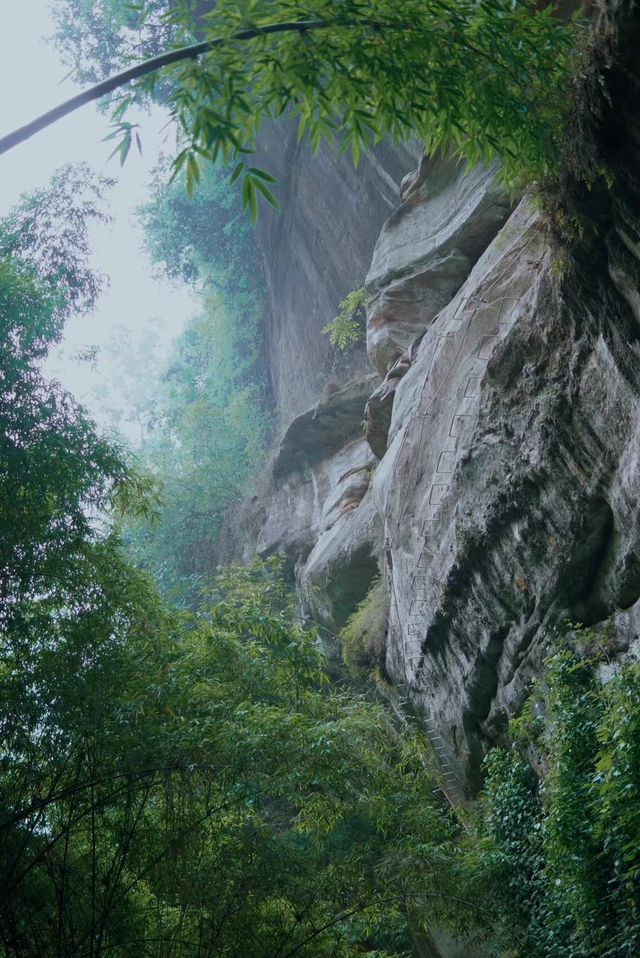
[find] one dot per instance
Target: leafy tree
(475, 78)
(63, 589)
(56, 473)
(193, 785)
(48, 231)
(97, 38)
(468, 76)
(207, 421)
(203, 239)
(208, 437)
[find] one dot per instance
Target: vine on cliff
(560, 850)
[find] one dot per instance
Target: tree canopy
(472, 77)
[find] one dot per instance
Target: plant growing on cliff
(472, 77)
(364, 637)
(346, 329)
(560, 851)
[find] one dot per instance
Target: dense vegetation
(203, 418)
(474, 78)
(170, 783)
(565, 843)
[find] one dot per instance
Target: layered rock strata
(314, 503)
(499, 488)
(511, 484)
(425, 251)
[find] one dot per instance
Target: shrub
(364, 637)
(560, 853)
(346, 329)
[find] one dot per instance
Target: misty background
(151, 309)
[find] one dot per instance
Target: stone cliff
(317, 249)
(497, 480)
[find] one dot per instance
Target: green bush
(560, 853)
(364, 637)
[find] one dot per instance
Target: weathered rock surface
(314, 503)
(313, 506)
(379, 406)
(377, 412)
(510, 488)
(426, 249)
(452, 462)
(511, 485)
(317, 248)
(505, 501)
(342, 564)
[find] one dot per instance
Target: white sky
(30, 75)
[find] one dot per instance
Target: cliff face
(511, 482)
(498, 490)
(314, 501)
(317, 249)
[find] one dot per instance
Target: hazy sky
(30, 78)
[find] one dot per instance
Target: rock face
(459, 469)
(314, 503)
(511, 484)
(316, 250)
(314, 506)
(498, 490)
(425, 251)
(377, 412)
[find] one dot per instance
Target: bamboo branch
(192, 52)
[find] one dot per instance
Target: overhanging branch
(166, 59)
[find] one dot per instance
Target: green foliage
(195, 781)
(54, 469)
(202, 418)
(562, 853)
(171, 783)
(48, 230)
(364, 637)
(126, 133)
(97, 37)
(176, 783)
(346, 329)
(205, 239)
(56, 472)
(470, 77)
(481, 79)
(260, 585)
(205, 428)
